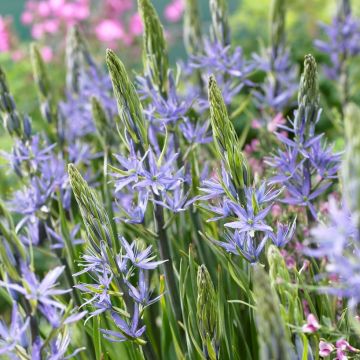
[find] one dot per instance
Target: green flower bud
(207, 311)
(273, 339)
(103, 126)
(281, 281)
(192, 28)
(226, 140)
(14, 123)
(277, 26)
(128, 102)
(155, 55)
(308, 95)
(94, 215)
(309, 87)
(48, 103)
(77, 56)
(220, 24)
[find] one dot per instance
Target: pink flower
(47, 53)
(276, 210)
(51, 26)
(27, 18)
(289, 259)
(135, 25)
(255, 124)
(109, 31)
(37, 31)
(4, 35)
(343, 345)
(43, 9)
(174, 11)
(117, 8)
(250, 148)
(275, 122)
(82, 12)
(256, 165)
(325, 349)
(56, 4)
(305, 305)
(312, 325)
(17, 55)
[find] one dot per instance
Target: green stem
(165, 254)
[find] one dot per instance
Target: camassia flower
(127, 331)
(306, 167)
(15, 333)
(39, 292)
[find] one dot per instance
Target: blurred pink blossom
(312, 325)
(275, 122)
(5, 37)
(115, 7)
(17, 55)
(252, 147)
(289, 259)
(173, 12)
(112, 22)
(305, 305)
(276, 210)
(26, 18)
(342, 346)
(256, 124)
(136, 26)
(325, 348)
(46, 16)
(109, 31)
(47, 53)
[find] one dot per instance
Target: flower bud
(155, 55)
(207, 311)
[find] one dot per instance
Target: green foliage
(273, 339)
(351, 164)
